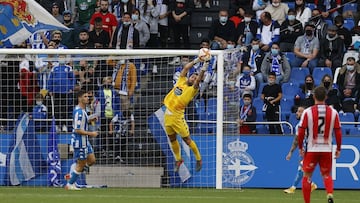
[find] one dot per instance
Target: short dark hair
(81, 93)
(247, 95)
(98, 20)
(320, 93)
(272, 73)
(350, 58)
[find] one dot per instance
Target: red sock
(329, 184)
(306, 189)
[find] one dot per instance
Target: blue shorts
(82, 153)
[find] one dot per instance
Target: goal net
(126, 89)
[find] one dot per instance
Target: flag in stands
(54, 163)
(20, 167)
(21, 18)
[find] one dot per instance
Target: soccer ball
(204, 54)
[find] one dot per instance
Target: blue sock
(299, 176)
(74, 177)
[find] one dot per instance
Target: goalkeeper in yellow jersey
(176, 101)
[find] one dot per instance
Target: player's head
(83, 97)
(299, 112)
(320, 94)
(191, 80)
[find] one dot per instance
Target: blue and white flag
(53, 158)
(21, 18)
(20, 167)
(157, 127)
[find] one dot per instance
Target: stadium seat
(289, 89)
(291, 5)
(350, 7)
(329, 22)
(349, 23)
(290, 56)
(310, 5)
(293, 120)
(286, 106)
(258, 104)
(319, 72)
(354, 131)
(346, 117)
(260, 88)
(298, 74)
(200, 108)
(211, 108)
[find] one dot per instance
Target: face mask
(247, 103)
(134, 17)
(271, 82)
(67, 21)
(327, 84)
(83, 41)
(255, 47)
(38, 103)
(246, 72)
(57, 41)
(124, 1)
(349, 68)
(223, 19)
(247, 19)
(291, 17)
(230, 46)
(331, 35)
(276, 4)
(308, 32)
(126, 23)
(274, 52)
(309, 85)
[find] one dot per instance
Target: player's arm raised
(188, 66)
(84, 132)
(201, 75)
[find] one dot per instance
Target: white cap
(181, 1)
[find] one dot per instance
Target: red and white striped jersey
(320, 121)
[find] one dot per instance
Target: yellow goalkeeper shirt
(180, 96)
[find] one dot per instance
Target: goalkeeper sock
(298, 178)
(306, 189)
(74, 177)
(176, 149)
(195, 149)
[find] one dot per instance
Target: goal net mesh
(126, 91)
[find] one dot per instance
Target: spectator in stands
(221, 31)
(150, 12)
(235, 6)
(268, 31)
(84, 42)
(56, 36)
(55, 12)
(68, 36)
(125, 78)
(331, 49)
(303, 13)
(181, 21)
(271, 95)
(276, 62)
(343, 32)
(109, 102)
(291, 29)
(319, 23)
(258, 6)
(348, 82)
(142, 27)
(332, 92)
(99, 36)
(246, 82)
(304, 97)
(39, 111)
(27, 82)
(39, 40)
(84, 9)
(126, 36)
(121, 7)
(306, 49)
(247, 114)
(253, 57)
(277, 10)
(109, 20)
(246, 30)
(164, 22)
(238, 17)
(199, 3)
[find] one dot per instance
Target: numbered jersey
(320, 122)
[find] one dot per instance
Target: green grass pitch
(168, 195)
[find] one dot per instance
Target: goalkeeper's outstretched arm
(188, 66)
(201, 75)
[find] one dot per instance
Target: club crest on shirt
(238, 165)
(178, 91)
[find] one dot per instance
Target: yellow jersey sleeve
(180, 96)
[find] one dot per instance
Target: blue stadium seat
(329, 22)
(350, 7)
(289, 89)
(286, 105)
(319, 72)
(298, 74)
(293, 120)
(355, 131)
(310, 5)
(200, 108)
(291, 5)
(349, 23)
(290, 56)
(258, 104)
(260, 88)
(346, 117)
(211, 108)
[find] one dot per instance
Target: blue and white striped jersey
(80, 121)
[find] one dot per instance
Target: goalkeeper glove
(205, 66)
(196, 60)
